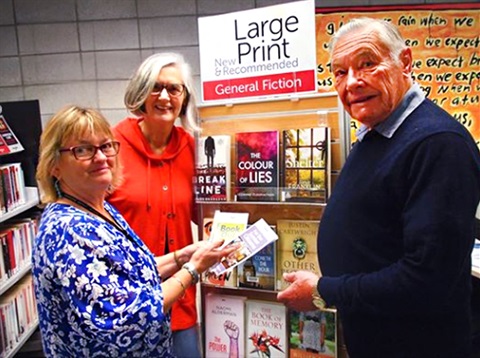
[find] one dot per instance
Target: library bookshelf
(18, 319)
(18, 214)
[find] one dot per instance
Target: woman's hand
(203, 255)
(209, 253)
(185, 254)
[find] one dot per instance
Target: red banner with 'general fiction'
(290, 82)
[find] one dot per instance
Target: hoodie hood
(131, 133)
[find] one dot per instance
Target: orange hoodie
(157, 197)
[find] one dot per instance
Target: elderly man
(395, 239)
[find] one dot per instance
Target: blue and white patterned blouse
(98, 292)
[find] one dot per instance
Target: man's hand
(298, 295)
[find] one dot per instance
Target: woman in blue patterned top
(99, 290)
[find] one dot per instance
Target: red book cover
(257, 166)
(3, 147)
(3, 198)
(11, 250)
(9, 137)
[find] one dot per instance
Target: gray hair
(388, 34)
(143, 81)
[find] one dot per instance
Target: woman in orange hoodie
(157, 195)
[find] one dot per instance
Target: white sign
(262, 52)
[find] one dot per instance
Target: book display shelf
(277, 161)
(19, 216)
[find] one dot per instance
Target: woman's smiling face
(163, 106)
(85, 176)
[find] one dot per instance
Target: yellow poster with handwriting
(446, 55)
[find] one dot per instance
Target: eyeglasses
(173, 89)
(88, 151)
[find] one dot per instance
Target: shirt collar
(388, 127)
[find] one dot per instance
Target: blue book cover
(259, 270)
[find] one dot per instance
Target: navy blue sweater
(396, 237)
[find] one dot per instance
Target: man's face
(369, 83)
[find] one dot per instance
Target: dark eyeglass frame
(173, 89)
(102, 147)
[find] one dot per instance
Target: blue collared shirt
(387, 128)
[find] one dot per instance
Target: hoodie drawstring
(148, 184)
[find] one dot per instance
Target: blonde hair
(71, 122)
(142, 82)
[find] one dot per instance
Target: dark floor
(32, 348)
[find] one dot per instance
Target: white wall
(84, 51)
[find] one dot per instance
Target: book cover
(9, 138)
(226, 279)
(7, 187)
(266, 329)
(3, 334)
(227, 226)
(224, 326)
(3, 204)
(313, 334)
(257, 166)
(207, 228)
(19, 179)
(6, 254)
(250, 241)
(213, 168)
(4, 149)
(306, 165)
(296, 248)
(6, 327)
(3, 272)
(259, 271)
(12, 253)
